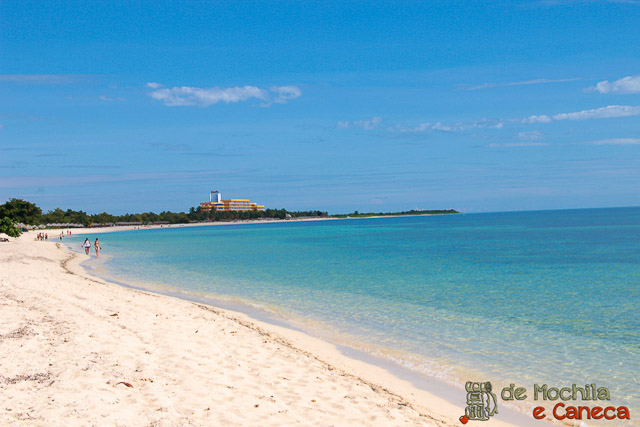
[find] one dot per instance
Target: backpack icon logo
(482, 403)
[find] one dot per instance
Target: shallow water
(526, 297)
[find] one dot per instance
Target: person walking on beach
(86, 245)
(97, 247)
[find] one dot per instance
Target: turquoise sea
(524, 297)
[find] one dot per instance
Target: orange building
(219, 204)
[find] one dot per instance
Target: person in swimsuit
(97, 247)
(86, 245)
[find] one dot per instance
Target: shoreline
(111, 229)
(429, 408)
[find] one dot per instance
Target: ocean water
(526, 297)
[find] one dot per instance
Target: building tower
(215, 197)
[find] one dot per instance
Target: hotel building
(216, 203)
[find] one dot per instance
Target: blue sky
(375, 106)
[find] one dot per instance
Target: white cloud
(204, 97)
(625, 85)
(616, 141)
(67, 180)
(520, 144)
(106, 98)
(601, 113)
(530, 136)
(570, 2)
(422, 127)
(41, 78)
(537, 119)
(440, 126)
(368, 124)
(285, 93)
(607, 112)
(521, 83)
(428, 127)
(372, 123)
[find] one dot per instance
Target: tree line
(16, 211)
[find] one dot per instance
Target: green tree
(7, 227)
(103, 218)
(20, 210)
(54, 216)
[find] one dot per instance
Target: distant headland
(412, 212)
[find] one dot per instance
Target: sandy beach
(75, 350)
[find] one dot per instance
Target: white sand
(70, 343)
